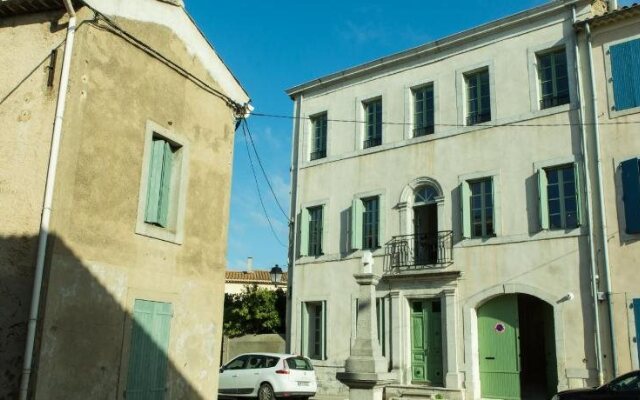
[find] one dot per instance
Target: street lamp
(276, 274)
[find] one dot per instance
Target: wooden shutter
(165, 185)
(636, 314)
(154, 182)
(543, 202)
(625, 64)
(356, 224)
(304, 232)
(148, 354)
(465, 209)
(631, 195)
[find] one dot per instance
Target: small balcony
(418, 252)
(375, 141)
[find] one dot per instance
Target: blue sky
(273, 45)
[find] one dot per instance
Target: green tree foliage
(254, 311)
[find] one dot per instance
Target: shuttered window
(159, 182)
(423, 115)
(559, 197)
(373, 125)
(367, 222)
(630, 170)
(314, 327)
(478, 208)
(553, 77)
(315, 231)
(625, 64)
(319, 137)
(478, 97)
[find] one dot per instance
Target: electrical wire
(266, 177)
(255, 178)
(517, 124)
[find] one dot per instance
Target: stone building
(467, 167)
(115, 165)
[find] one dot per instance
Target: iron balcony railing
(419, 251)
(478, 118)
(376, 141)
(423, 130)
(315, 155)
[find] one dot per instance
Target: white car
(267, 376)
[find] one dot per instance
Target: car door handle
(489, 358)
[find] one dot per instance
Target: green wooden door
(426, 342)
(148, 355)
(498, 348)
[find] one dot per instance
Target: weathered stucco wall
(27, 107)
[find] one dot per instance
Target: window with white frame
(367, 223)
(553, 78)
(314, 329)
(478, 210)
(161, 204)
(559, 200)
(318, 136)
(423, 110)
(478, 96)
(625, 81)
(311, 231)
(373, 123)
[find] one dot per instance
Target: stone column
(452, 377)
(366, 370)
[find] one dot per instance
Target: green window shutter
(630, 171)
(543, 202)
(165, 185)
(465, 209)
(304, 331)
(578, 186)
(154, 182)
(148, 355)
(356, 224)
(304, 232)
(324, 331)
(381, 221)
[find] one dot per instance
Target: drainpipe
(603, 221)
(48, 201)
(589, 211)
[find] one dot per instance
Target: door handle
(489, 358)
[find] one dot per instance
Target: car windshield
(299, 363)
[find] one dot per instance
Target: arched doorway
(425, 225)
(516, 348)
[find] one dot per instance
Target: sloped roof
(259, 277)
(620, 14)
(16, 7)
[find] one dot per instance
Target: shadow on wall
(87, 345)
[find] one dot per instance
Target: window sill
(541, 235)
(156, 232)
(355, 254)
(622, 113)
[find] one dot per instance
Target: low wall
(267, 343)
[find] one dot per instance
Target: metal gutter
(436, 46)
(48, 202)
(603, 221)
(589, 211)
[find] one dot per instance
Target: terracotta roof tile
(259, 276)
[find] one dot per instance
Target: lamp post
(275, 274)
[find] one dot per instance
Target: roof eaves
(438, 45)
(610, 16)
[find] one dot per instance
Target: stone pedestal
(366, 370)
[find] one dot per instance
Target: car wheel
(266, 392)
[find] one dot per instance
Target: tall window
(553, 77)
(625, 64)
(370, 218)
(559, 200)
(315, 231)
(423, 118)
(631, 195)
(481, 208)
(159, 182)
(319, 137)
(314, 330)
(373, 123)
(478, 97)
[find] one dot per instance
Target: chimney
(249, 264)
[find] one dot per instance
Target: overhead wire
(255, 178)
(266, 177)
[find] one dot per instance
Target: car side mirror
(222, 369)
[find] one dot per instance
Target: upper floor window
(631, 194)
(559, 197)
(318, 136)
(553, 78)
(373, 123)
(314, 327)
(159, 185)
(478, 97)
(366, 223)
(311, 231)
(625, 64)
(478, 210)
(423, 116)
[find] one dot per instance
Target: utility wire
(255, 178)
(266, 177)
(517, 124)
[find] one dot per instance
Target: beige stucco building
(461, 165)
(116, 187)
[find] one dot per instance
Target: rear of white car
(268, 375)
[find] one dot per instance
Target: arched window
(425, 195)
